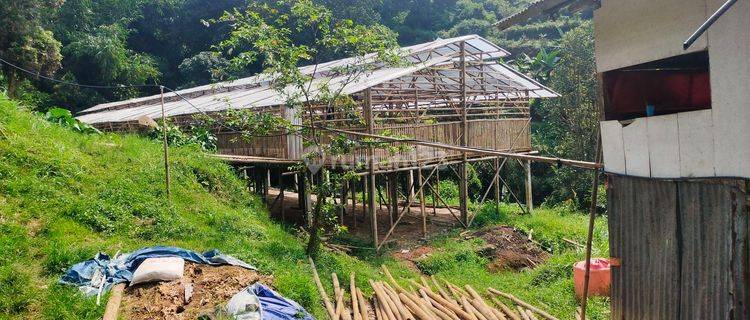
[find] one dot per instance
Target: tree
(296, 32)
(566, 126)
(25, 42)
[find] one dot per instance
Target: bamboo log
(339, 305)
(442, 291)
(450, 305)
(473, 311)
(523, 303)
(414, 308)
(327, 302)
(507, 310)
(353, 293)
(524, 316)
(483, 308)
(427, 308)
(443, 308)
(531, 315)
(113, 304)
(378, 313)
(399, 304)
(362, 305)
(384, 301)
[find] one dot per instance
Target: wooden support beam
(422, 211)
(529, 194)
(281, 195)
(498, 188)
(371, 167)
(463, 176)
(393, 196)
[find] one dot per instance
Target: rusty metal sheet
(683, 247)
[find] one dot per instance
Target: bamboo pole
(362, 305)
(414, 308)
(422, 210)
(590, 235)
(470, 308)
(405, 314)
(353, 293)
(523, 313)
(164, 130)
(384, 301)
(327, 302)
(523, 303)
(507, 310)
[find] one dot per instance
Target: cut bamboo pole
(339, 305)
(390, 278)
(482, 309)
(443, 308)
(453, 306)
(427, 308)
(531, 315)
(341, 310)
(507, 310)
(399, 304)
(376, 306)
(414, 308)
(470, 308)
(327, 302)
(384, 303)
(524, 316)
(442, 291)
(362, 305)
(353, 293)
(425, 283)
(113, 304)
(523, 303)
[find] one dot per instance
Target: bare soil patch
(410, 256)
(211, 286)
(510, 249)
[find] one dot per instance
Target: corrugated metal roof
(256, 91)
(543, 7)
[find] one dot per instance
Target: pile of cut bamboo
(427, 300)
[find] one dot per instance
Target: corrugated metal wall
(683, 248)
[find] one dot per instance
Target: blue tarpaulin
(88, 275)
(275, 307)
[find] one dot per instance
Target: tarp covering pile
(102, 272)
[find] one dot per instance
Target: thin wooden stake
(164, 130)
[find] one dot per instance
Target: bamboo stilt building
(450, 91)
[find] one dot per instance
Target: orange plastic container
(600, 277)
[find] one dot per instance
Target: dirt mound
(509, 248)
(210, 286)
(410, 256)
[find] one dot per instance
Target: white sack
(159, 269)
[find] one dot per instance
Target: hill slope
(65, 196)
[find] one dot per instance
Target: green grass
(550, 285)
(65, 196)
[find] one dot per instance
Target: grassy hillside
(65, 196)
